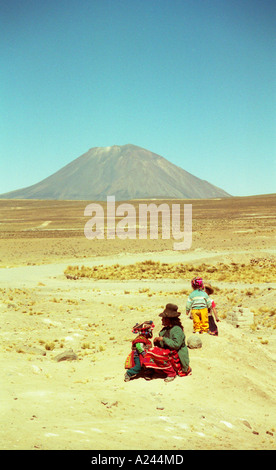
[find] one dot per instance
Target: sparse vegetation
(45, 315)
(257, 270)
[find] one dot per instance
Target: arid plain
(61, 291)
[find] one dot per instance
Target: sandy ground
(227, 403)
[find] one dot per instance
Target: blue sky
(191, 80)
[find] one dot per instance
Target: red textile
(129, 363)
(166, 360)
(141, 339)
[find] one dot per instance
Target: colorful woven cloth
(163, 359)
(129, 362)
(141, 339)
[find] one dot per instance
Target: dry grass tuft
(257, 270)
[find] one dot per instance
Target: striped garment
(197, 300)
(165, 360)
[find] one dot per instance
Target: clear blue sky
(191, 80)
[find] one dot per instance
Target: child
(140, 345)
(198, 303)
(213, 329)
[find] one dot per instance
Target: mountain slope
(128, 172)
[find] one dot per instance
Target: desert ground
(60, 291)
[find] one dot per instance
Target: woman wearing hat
(170, 354)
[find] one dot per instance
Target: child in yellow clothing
(198, 303)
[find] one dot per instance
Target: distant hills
(126, 172)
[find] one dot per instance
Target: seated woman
(170, 354)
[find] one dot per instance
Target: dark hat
(170, 311)
(208, 286)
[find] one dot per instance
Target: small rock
(246, 423)
(36, 369)
(240, 317)
(194, 342)
(68, 355)
(12, 305)
(31, 350)
(109, 404)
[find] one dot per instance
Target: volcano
(126, 172)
